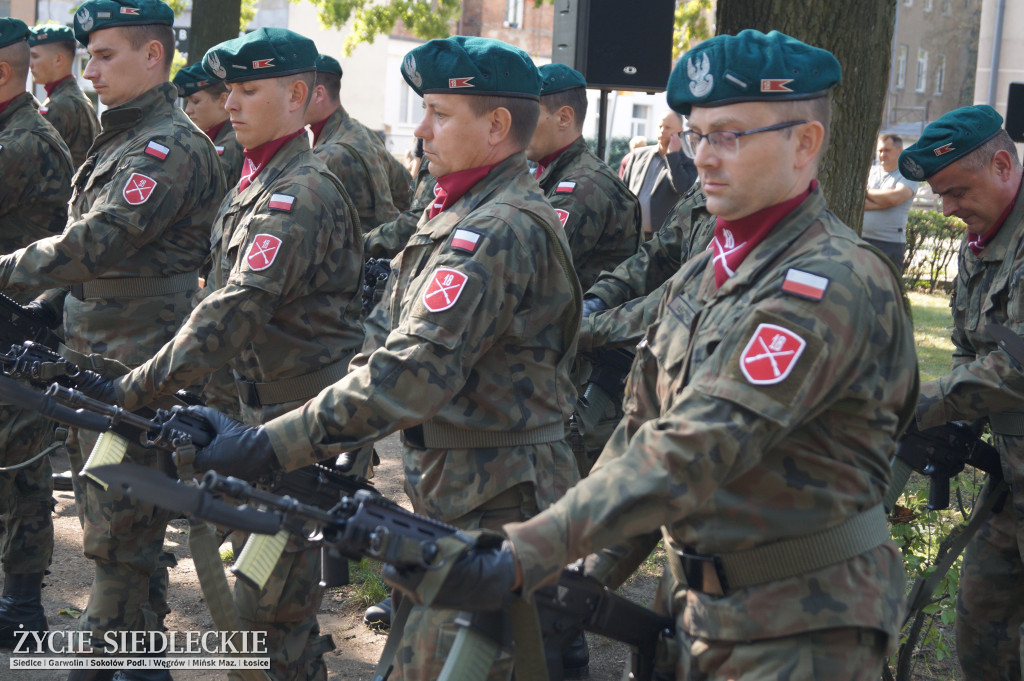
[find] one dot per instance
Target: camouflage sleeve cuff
(289, 436)
(6, 265)
(539, 552)
(931, 406)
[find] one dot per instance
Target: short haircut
(331, 83)
(218, 88)
(896, 140)
(68, 47)
(138, 36)
(574, 98)
(307, 77)
(982, 156)
(525, 113)
(17, 55)
(817, 109)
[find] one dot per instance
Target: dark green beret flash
(264, 53)
(12, 30)
(50, 33)
(749, 67)
(327, 64)
(558, 77)
(462, 65)
(948, 138)
(94, 15)
(193, 79)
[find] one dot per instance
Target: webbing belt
(136, 287)
(1009, 423)
(439, 435)
(302, 387)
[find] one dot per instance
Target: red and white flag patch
(220, 151)
(805, 284)
(44, 110)
(460, 82)
(157, 149)
(130, 10)
(565, 188)
(776, 84)
(281, 202)
(771, 354)
(563, 216)
(263, 251)
(138, 189)
(945, 149)
(444, 289)
(465, 240)
(263, 63)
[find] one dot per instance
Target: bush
(933, 240)
(617, 148)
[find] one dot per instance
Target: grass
(368, 587)
(932, 327)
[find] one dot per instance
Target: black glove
(45, 312)
(593, 304)
(482, 578)
(237, 449)
(96, 386)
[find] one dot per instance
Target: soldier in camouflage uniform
(470, 357)
(401, 183)
(138, 230)
(971, 163)
(52, 50)
(37, 170)
(286, 310)
(204, 105)
(352, 151)
(761, 410)
(388, 240)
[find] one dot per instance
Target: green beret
(750, 67)
(12, 31)
(95, 15)
(557, 77)
(193, 79)
(264, 53)
(326, 64)
(463, 65)
(948, 138)
(50, 33)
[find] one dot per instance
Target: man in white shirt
(888, 202)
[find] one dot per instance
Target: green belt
(292, 389)
(136, 287)
(722, 573)
(439, 435)
(1009, 423)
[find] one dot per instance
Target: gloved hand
(237, 449)
(482, 578)
(44, 312)
(96, 386)
(593, 304)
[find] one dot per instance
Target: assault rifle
(368, 525)
(376, 272)
(19, 324)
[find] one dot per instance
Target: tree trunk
(859, 34)
(213, 22)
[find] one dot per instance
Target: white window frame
(638, 124)
(940, 74)
(901, 66)
(927, 5)
(514, 10)
(410, 106)
(922, 70)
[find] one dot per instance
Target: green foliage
(617, 147)
(248, 13)
(425, 19)
(933, 241)
(691, 25)
(366, 580)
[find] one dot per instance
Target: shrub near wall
(933, 241)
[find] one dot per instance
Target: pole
(601, 124)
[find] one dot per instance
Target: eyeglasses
(725, 143)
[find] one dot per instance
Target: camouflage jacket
(401, 183)
(290, 302)
(686, 232)
(984, 382)
(230, 152)
(36, 170)
(600, 216)
(470, 355)
(138, 229)
(754, 415)
(388, 240)
(356, 155)
(70, 111)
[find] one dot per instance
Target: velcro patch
(563, 216)
(444, 289)
(805, 284)
(283, 202)
(158, 150)
(138, 189)
(465, 240)
(565, 188)
(220, 151)
(263, 251)
(771, 354)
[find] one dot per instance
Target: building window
(922, 69)
(410, 106)
(514, 13)
(947, 8)
(927, 5)
(638, 123)
(901, 67)
(940, 74)
(908, 3)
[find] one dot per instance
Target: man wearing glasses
(761, 409)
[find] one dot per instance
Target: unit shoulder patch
(444, 289)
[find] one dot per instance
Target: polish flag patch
(158, 150)
(44, 110)
(444, 289)
(465, 240)
(805, 284)
(263, 251)
(138, 189)
(220, 151)
(563, 216)
(771, 354)
(281, 202)
(565, 188)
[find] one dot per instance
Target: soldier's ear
(501, 125)
(6, 73)
(566, 117)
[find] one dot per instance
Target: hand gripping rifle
(18, 324)
(366, 524)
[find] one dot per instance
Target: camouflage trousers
(26, 494)
(429, 634)
(124, 538)
(285, 608)
(990, 603)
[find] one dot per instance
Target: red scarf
(215, 130)
(735, 239)
(978, 242)
(50, 87)
(450, 188)
(317, 128)
(548, 160)
(257, 159)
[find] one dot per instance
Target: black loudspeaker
(1015, 112)
(616, 44)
